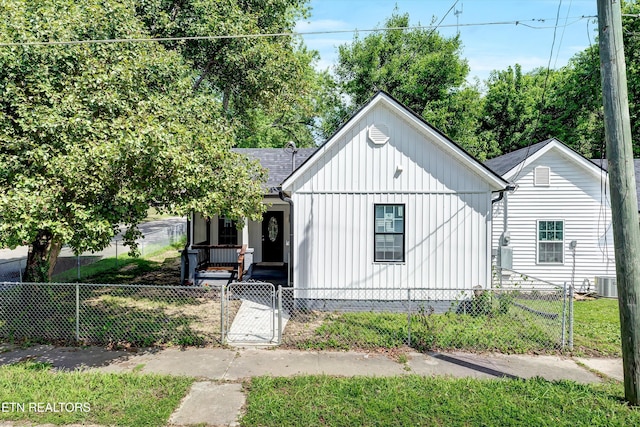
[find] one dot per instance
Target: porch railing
(222, 257)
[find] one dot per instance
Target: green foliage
(510, 114)
(416, 66)
(92, 135)
(514, 115)
(420, 68)
(432, 401)
(267, 84)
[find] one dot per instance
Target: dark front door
(272, 236)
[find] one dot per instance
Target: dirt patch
(168, 274)
(301, 327)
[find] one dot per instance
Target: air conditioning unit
(606, 286)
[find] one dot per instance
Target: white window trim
(564, 232)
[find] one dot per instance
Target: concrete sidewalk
(217, 397)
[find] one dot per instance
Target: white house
(390, 202)
(387, 202)
(558, 217)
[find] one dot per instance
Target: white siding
(577, 197)
(199, 229)
(356, 164)
(447, 212)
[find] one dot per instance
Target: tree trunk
(42, 257)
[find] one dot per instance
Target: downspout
(184, 254)
(284, 198)
(505, 224)
(505, 238)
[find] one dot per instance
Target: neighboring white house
(559, 217)
(386, 202)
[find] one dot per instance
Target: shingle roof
(277, 161)
(636, 167)
(506, 162)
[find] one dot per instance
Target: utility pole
(624, 205)
(458, 13)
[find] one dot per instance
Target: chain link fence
(513, 320)
(164, 236)
(11, 270)
(127, 315)
(507, 320)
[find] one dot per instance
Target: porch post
(193, 264)
(245, 233)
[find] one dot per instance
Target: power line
(443, 18)
(562, 35)
(542, 95)
(525, 23)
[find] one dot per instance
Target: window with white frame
(550, 242)
(389, 233)
(227, 232)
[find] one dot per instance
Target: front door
(273, 236)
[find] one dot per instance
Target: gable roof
(503, 164)
(509, 164)
(277, 162)
(422, 125)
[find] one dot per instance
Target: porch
(222, 251)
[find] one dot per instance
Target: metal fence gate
(257, 319)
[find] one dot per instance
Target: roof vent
(378, 134)
(541, 176)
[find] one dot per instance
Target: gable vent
(542, 176)
(378, 134)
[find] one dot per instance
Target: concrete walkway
(255, 323)
(217, 397)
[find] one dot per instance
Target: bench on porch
(220, 259)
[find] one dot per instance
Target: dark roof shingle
(277, 162)
(506, 162)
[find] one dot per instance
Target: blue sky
(486, 47)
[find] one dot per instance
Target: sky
(486, 47)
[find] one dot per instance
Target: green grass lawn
(512, 330)
(597, 328)
(125, 268)
(106, 399)
(419, 401)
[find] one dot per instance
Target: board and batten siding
(576, 196)
(447, 212)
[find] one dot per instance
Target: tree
(458, 116)
(575, 115)
(91, 135)
(419, 67)
(572, 111)
(266, 84)
(510, 108)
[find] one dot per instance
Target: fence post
(222, 316)
(279, 297)
(564, 314)
(571, 318)
(77, 312)
(409, 317)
